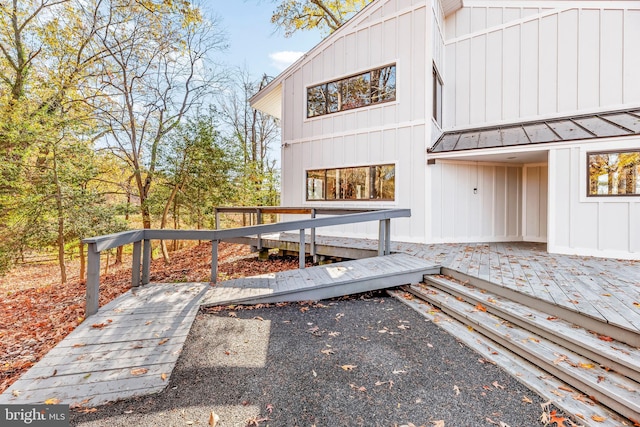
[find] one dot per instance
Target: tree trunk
(163, 221)
(119, 251)
(60, 212)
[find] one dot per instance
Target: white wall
(534, 202)
(459, 214)
(598, 226)
(509, 63)
(394, 31)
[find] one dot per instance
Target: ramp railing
(141, 240)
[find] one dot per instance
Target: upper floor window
(358, 183)
(614, 173)
(437, 97)
(360, 90)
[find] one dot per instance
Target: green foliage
(324, 15)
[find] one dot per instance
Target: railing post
(387, 236)
(135, 264)
(381, 236)
(312, 243)
(93, 280)
(215, 210)
(146, 261)
(259, 221)
(301, 251)
(214, 261)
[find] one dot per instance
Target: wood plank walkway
(322, 281)
(605, 289)
(129, 348)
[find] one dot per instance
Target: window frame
(588, 175)
(338, 83)
(438, 89)
(370, 184)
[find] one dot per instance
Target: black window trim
(616, 151)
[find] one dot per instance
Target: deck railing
(141, 240)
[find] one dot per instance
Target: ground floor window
(357, 183)
(614, 173)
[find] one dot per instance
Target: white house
(492, 120)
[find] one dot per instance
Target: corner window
(614, 173)
(358, 183)
(357, 91)
(437, 97)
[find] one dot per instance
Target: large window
(364, 89)
(359, 183)
(614, 173)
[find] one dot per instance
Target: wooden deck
(604, 289)
(323, 281)
(128, 349)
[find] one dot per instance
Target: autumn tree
(324, 15)
(199, 169)
(157, 68)
(255, 133)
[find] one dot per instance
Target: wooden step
(579, 406)
(608, 352)
(616, 391)
(590, 321)
(323, 281)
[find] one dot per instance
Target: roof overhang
(269, 100)
(450, 6)
(619, 123)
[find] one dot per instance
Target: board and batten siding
(460, 214)
(390, 32)
(507, 63)
(534, 202)
(581, 225)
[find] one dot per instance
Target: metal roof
(591, 126)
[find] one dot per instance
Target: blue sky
(253, 42)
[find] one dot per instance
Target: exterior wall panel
(551, 61)
(461, 215)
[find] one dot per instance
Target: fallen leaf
(233, 314)
(439, 423)
(314, 373)
(327, 351)
(481, 307)
(269, 408)
(525, 399)
(163, 376)
(554, 418)
(213, 419)
(52, 401)
(497, 385)
(399, 371)
(362, 389)
(349, 367)
(587, 365)
(605, 338)
(560, 359)
(16, 393)
(404, 327)
(598, 418)
(79, 345)
(163, 341)
(334, 334)
(564, 388)
(139, 371)
(552, 318)
(259, 318)
(457, 390)
(98, 325)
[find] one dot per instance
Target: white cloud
(283, 59)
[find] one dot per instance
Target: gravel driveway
(360, 361)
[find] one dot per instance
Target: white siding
(492, 212)
(599, 226)
(534, 203)
(395, 132)
(536, 63)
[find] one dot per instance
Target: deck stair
(322, 281)
(601, 367)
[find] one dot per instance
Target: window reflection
(357, 91)
(358, 183)
(614, 173)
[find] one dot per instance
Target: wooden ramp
(324, 281)
(129, 348)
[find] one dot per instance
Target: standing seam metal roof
(591, 126)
